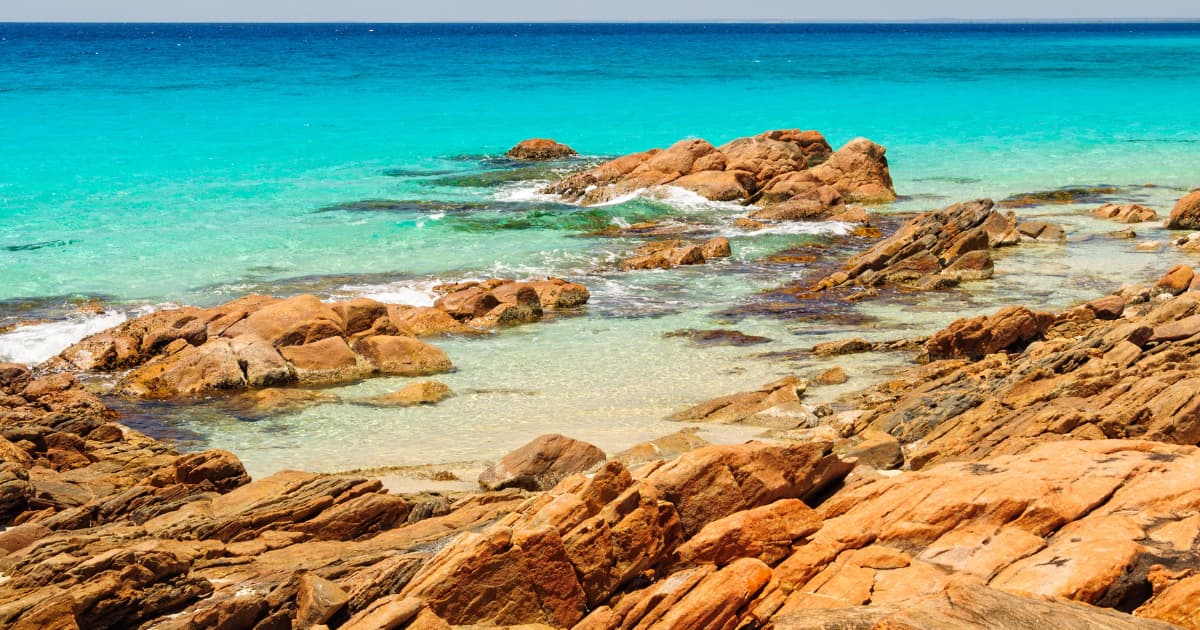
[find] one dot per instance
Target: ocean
(146, 165)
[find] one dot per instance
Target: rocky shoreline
(1029, 469)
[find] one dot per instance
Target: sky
(586, 10)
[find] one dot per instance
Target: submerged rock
(419, 393)
(719, 337)
(1083, 194)
(1126, 213)
(538, 149)
(541, 464)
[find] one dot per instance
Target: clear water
(151, 164)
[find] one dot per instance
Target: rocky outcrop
(540, 149)
(1186, 213)
(1118, 367)
(1125, 213)
(577, 546)
(261, 342)
(674, 253)
(932, 250)
(541, 464)
(1010, 328)
(776, 405)
(772, 167)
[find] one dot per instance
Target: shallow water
(152, 165)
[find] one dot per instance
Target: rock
(719, 185)
(427, 321)
(716, 248)
(790, 163)
(540, 149)
(843, 346)
(419, 393)
(976, 265)
(1128, 213)
(1176, 280)
(318, 600)
(1070, 195)
(748, 224)
(191, 371)
(875, 449)
(718, 337)
(766, 533)
(295, 321)
(1123, 234)
(775, 153)
(274, 400)
(14, 377)
(327, 361)
(664, 255)
(1042, 231)
(932, 250)
(402, 356)
(1148, 246)
(468, 303)
(556, 293)
(776, 405)
(1110, 307)
(663, 448)
(858, 171)
(261, 363)
(221, 469)
(364, 316)
(1186, 213)
(964, 606)
(1010, 328)
(833, 376)
(541, 464)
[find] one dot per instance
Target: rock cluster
(1126, 213)
(940, 249)
(258, 341)
(773, 167)
(674, 253)
(540, 149)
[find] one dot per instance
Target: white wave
(676, 197)
(408, 293)
(38, 342)
(525, 191)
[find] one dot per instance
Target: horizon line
(833, 21)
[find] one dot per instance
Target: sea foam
(37, 342)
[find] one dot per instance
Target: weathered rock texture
(1126, 213)
(940, 249)
(540, 149)
(1186, 213)
(673, 253)
(258, 341)
(792, 166)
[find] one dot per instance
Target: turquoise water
(151, 164)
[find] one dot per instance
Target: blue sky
(591, 10)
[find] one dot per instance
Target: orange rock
(1176, 280)
(402, 356)
(541, 464)
(327, 361)
(291, 322)
(1186, 213)
(539, 149)
(766, 533)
